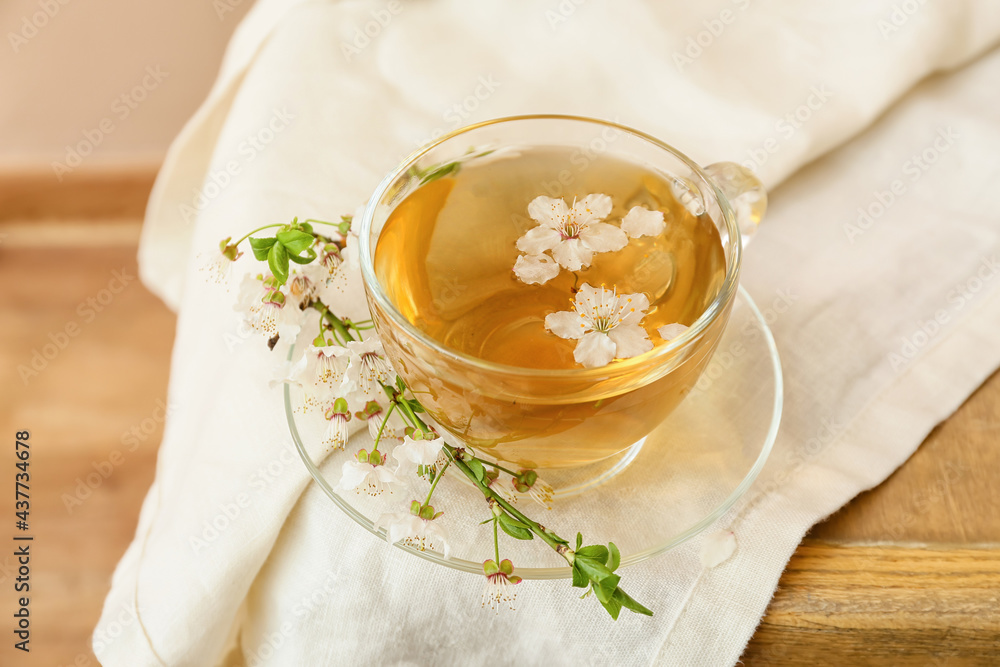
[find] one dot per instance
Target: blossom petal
(566, 324)
(417, 452)
(602, 237)
(386, 476)
(547, 211)
(353, 475)
(640, 221)
(397, 525)
(437, 534)
(671, 331)
(592, 208)
(634, 307)
(538, 240)
(573, 254)
(535, 269)
(630, 340)
(717, 548)
(594, 350)
(588, 298)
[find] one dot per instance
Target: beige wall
(121, 74)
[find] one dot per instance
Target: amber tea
(492, 262)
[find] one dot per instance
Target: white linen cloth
(289, 580)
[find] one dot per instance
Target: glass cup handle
(745, 193)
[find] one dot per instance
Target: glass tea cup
(556, 417)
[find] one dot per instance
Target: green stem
(437, 478)
(499, 467)
(558, 544)
(496, 540)
(247, 235)
(335, 322)
(338, 225)
(378, 436)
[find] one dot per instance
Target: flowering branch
(347, 368)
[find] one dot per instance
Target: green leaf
(295, 241)
(261, 246)
(616, 557)
(440, 172)
(603, 593)
(277, 260)
(477, 469)
(514, 528)
(514, 522)
(306, 227)
(579, 578)
(596, 551)
(309, 256)
(579, 541)
(613, 606)
(597, 572)
(623, 598)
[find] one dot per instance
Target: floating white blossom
(605, 323)
(571, 234)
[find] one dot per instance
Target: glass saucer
(647, 500)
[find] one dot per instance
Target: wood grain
(81, 409)
(907, 574)
(92, 192)
(947, 493)
(853, 605)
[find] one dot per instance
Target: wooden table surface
(906, 574)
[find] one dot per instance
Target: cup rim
(624, 366)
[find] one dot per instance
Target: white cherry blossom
(337, 416)
(265, 308)
(640, 221)
(343, 292)
(500, 580)
(571, 234)
(409, 527)
(321, 372)
(369, 369)
(416, 453)
(374, 414)
(537, 489)
(304, 284)
(605, 323)
(374, 478)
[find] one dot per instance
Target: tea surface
(445, 255)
